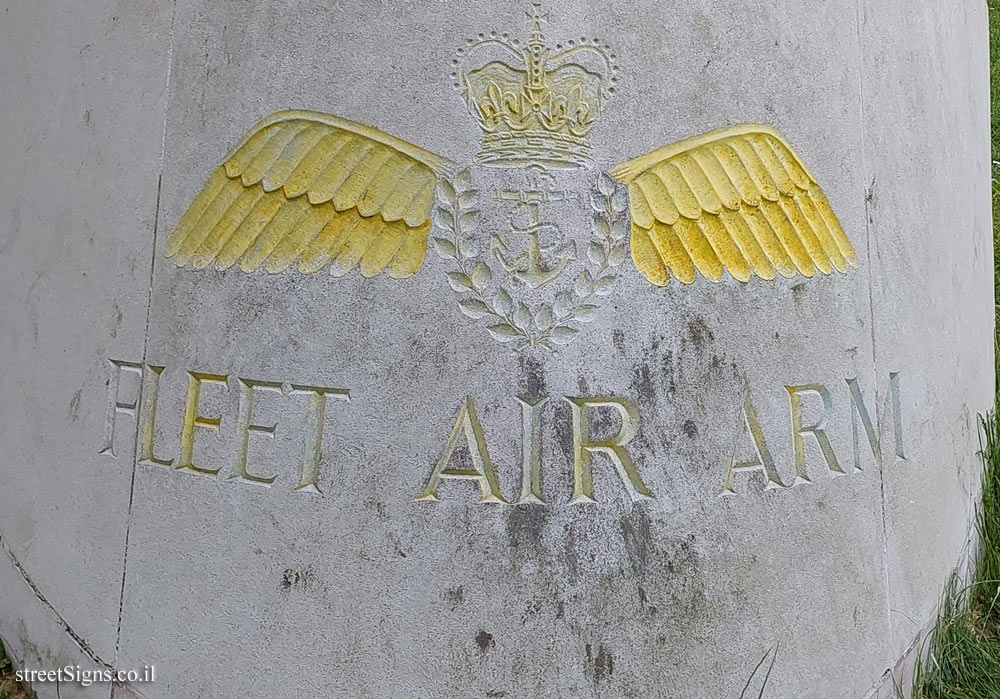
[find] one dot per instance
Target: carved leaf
(562, 334)
(618, 229)
(503, 302)
(444, 219)
(473, 308)
(462, 180)
(585, 313)
(619, 200)
(481, 275)
(595, 251)
(601, 225)
(445, 248)
(564, 303)
(606, 184)
(447, 192)
(602, 287)
(584, 283)
(467, 221)
(466, 200)
(459, 281)
(544, 318)
(504, 332)
(469, 247)
(522, 316)
(617, 255)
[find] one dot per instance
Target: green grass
(962, 659)
(993, 7)
(9, 689)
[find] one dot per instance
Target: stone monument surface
(487, 350)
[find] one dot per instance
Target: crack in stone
(77, 638)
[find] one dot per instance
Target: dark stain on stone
(534, 377)
(298, 578)
(454, 596)
(699, 332)
(570, 557)
(668, 371)
(495, 693)
(378, 507)
(644, 600)
(690, 429)
(618, 340)
(601, 665)
(635, 533)
(525, 525)
(685, 558)
(484, 641)
(116, 320)
(74, 405)
(532, 610)
(563, 425)
(642, 384)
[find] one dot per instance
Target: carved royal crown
(538, 111)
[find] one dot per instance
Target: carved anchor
(529, 266)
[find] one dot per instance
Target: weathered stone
(354, 486)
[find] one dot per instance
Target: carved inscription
(134, 388)
(817, 433)
(142, 407)
(467, 426)
(584, 448)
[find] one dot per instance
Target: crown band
(523, 148)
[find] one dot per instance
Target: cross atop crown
(536, 16)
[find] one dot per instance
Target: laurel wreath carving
(543, 325)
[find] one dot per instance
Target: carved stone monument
(488, 351)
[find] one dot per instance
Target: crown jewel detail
(538, 111)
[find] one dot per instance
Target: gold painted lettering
(467, 424)
(245, 426)
(313, 451)
(193, 419)
(764, 462)
(147, 417)
(584, 447)
(115, 403)
(531, 450)
(817, 430)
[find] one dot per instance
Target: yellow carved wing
(737, 199)
(314, 189)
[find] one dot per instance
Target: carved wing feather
(738, 199)
(316, 190)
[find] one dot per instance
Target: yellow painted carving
(738, 199)
(313, 190)
(467, 425)
(585, 446)
(535, 106)
(817, 430)
(762, 461)
(193, 419)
